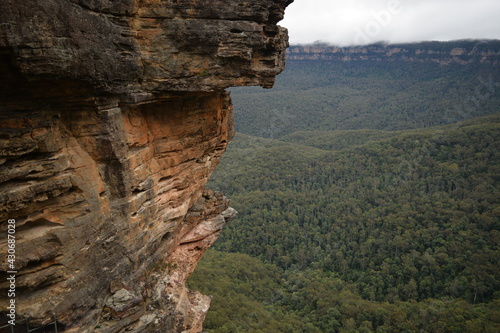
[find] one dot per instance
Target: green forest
(363, 207)
(353, 95)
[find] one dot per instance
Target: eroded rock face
(147, 46)
(112, 118)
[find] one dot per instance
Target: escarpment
(113, 116)
(461, 52)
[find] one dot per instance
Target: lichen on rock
(113, 116)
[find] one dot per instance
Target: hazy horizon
(320, 42)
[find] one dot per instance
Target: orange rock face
(112, 118)
(101, 194)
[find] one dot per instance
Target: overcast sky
(354, 22)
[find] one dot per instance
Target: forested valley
(368, 201)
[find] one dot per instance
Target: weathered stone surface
(112, 118)
(147, 46)
(101, 194)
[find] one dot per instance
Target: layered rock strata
(113, 115)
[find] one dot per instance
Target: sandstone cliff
(444, 53)
(113, 115)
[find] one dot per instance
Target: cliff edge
(113, 116)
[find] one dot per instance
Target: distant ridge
(453, 52)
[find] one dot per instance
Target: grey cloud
(366, 21)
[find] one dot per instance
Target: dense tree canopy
(359, 213)
(337, 95)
